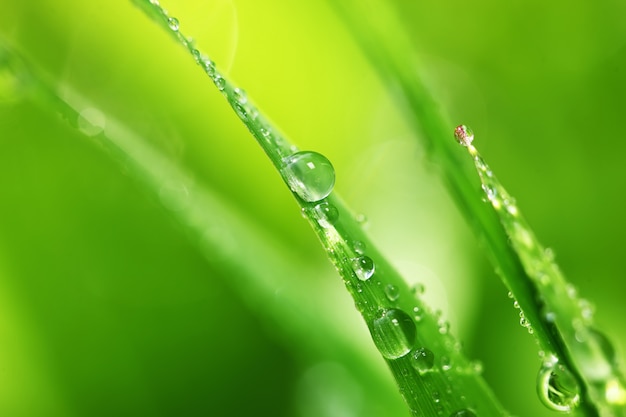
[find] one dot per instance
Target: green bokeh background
(108, 308)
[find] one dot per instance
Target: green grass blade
(588, 349)
(382, 37)
(426, 361)
(225, 236)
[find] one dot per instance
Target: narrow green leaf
(433, 375)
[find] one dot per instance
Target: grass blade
(428, 365)
(380, 34)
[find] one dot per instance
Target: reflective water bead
(364, 267)
(557, 387)
(422, 360)
(327, 214)
(310, 175)
(463, 413)
(393, 333)
(463, 135)
(172, 22)
(359, 247)
(392, 292)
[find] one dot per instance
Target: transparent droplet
(220, 82)
(446, 365)
(418, 289)
(360, 218)
(490, 191)
(310, 175)
(91, 121)
(172, 22)
(422, 360)
(393, 333)
(418, 314)
(327, 214)
(364, 267)
(392, 292)
(208, 65)
(463, 413)
(359, 247)
(240, 96)
(240, 110)
(557, 387)
(463, 135)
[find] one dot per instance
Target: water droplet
(418, 314)
(310, 175)
(463, 135)
(240, 95)
(477, 367)
(327, 214)
(91, 121)
(446, 365)
(444, 326)
(490, 191)
(172, 22)
(422, 360)
(392, 292)
(361, 219)
(364, 267)
(240, 110)
(557, 387)
(359, 247)
(463, 413)
(220, 82)
(208, 65)
(418, 289)
(393, 333)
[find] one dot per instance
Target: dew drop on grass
(364, 267)
(392, 292)
(463, 135)
(327, 214)
(557, 387)
(393, 333)
(359, 247)
(422, 360)
(220, 82)
(91, 121)
(310, 175)
(463, 413)
(172, 22)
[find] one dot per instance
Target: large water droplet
(393, 333)
(364, 267)
(557, 387)
(327, 214)
(463, 135)
(310, 175)
(422, 360)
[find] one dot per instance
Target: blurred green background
(107, 307)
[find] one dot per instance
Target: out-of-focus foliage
(106, 308)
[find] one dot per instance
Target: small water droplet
(310, 175)
(393, 333)
(444, 326)
(477, 367)
(392, 292)
(422, 360)
(364, 267)
(463, 135)
(220, 82)
(446, 365)
(208, 65)
(490, 191)
(436, 397)
(418, 289)
(557, 387)
(240, 95)
(359, 247)
(361, 219)
(463, 413)
(172, 22)
(91, 121)
(327, 214)
(418, 314)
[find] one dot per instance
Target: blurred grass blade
(258, 266)
(383, 39)
(433, 375)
